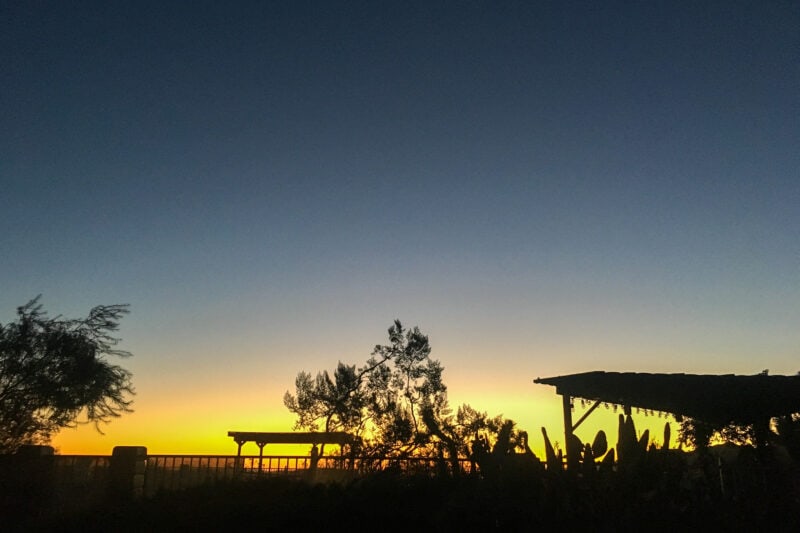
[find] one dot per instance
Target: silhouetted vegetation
(53, 373)
(418, 466)
(658, 489)
(637, 484)
(395, 404)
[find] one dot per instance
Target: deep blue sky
(542, 188)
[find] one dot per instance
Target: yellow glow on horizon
(181, 432)
(193, 416)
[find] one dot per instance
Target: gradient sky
(542, 188)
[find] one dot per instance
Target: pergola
(717, 399)
(263, 438)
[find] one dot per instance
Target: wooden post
(239, 466)
(569, 449)
(260, 454)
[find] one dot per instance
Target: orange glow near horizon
(180, 432)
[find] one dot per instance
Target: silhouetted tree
(698, 433)
(469, 433)
(395, 403)
(497, 434)
(53, 374)
(334, 402)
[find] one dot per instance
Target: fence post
(29, 480)
(126, 472)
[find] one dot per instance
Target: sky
(544, 188)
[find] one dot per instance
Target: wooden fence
(70, 481)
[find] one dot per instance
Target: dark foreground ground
(395, 502)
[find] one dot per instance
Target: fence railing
(171, 472)
(74, 480)
(83, 477)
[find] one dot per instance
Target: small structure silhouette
(263, 438)
(716, 399)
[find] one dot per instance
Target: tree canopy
(54, 373)
(396, 403)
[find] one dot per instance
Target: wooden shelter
(716, 399)
(263, 438)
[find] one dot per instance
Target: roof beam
(586, 415)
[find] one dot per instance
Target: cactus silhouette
(629, 448)
(600, 444)
(551, 459)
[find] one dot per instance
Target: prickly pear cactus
(644, 440)
(607, 464)
(600, 444)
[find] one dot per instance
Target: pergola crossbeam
(586, 415)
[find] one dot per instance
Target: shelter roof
(711, 398)
(331, 437)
